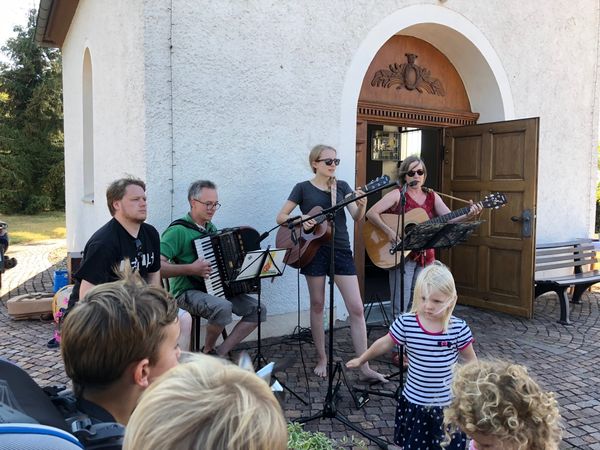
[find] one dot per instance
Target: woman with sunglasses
(320, 191)
(412, 173)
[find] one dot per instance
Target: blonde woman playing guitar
(412, 173)
(318, 192)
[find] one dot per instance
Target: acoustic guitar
(378, 245)
(302, 247)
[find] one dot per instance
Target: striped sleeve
(397, 330)
(465, 337)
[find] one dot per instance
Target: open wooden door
(494, 269)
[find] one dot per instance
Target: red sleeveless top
(424, 257)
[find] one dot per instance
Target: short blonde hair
(315, 152)
(500, 399)
(207, 403)
(435, 277)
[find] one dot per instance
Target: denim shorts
(319, 266)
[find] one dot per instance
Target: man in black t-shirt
(126, 237)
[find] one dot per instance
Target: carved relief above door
(412, 82)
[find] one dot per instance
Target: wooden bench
(565, 255)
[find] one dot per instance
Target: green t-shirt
(176, 244)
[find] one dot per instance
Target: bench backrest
(560, 255)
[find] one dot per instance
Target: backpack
(23, 401)
(36, 437)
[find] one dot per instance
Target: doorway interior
(387, 145)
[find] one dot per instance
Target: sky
(13, 12)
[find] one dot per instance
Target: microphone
(290, 222)
(291, 219)
(411, 184)
(263, 236)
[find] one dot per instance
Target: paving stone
(563, 359)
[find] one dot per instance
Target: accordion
(225, 251)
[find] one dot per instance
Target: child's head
(435, 293)
(499, 406)
(206, 402)
(115, 327)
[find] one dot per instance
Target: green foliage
(31, 121)
(299, 439)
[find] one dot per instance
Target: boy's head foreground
(124, 332)
(207, 403)
(500, 406)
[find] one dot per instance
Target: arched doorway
(412, 91)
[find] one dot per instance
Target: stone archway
(466, 47)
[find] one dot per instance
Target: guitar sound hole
(409, 227)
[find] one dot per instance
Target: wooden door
(494, 268)
(361, 180)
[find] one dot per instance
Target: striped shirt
(431, 358)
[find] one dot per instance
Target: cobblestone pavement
(564, 359)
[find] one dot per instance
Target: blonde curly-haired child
(499, 406)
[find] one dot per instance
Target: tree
(31, 125)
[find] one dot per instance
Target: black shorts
(319, 266)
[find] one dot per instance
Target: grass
(31, 229)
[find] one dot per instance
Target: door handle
(525, 220)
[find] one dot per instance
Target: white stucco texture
(238, 92)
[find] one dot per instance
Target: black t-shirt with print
(105, 253)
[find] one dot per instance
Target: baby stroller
(5, 262)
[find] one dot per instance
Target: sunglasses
(411, 173)
(330, 161)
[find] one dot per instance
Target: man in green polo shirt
(187, 272)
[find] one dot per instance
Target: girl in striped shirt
(433, 339)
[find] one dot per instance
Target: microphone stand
(329, 407)
(364, 398)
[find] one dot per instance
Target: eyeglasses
(411, 173)
(330, 161)
(209, 205)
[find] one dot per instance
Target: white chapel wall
(113, 37)
(248, 87)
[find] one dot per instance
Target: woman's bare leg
(348, 286)
(316, 290)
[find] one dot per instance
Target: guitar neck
(451, 215)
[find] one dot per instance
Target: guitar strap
(333, 191)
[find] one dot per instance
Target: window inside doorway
(383, 141)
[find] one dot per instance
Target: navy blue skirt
(420, 428)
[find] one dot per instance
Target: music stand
(259, 264)
(422, 237)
